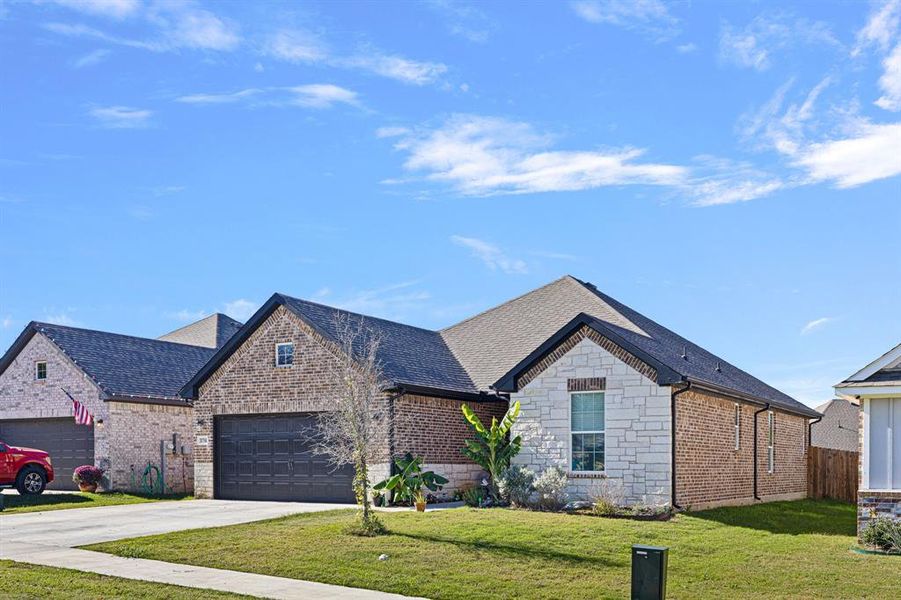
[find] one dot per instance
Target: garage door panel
(277, 461)
(70, 445)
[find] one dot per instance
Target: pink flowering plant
(87, 475)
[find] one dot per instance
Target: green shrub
(494, 446)
(474, 496)
(516, 485)
(882, 533)
(551, 488)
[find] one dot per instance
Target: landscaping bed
(14, 503)
(778, 550)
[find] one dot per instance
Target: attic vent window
(284, 354)
(40, 370)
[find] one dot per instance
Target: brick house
(129, 384)
(606, 393)
(877, 388)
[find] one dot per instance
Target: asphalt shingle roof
(838, 429)
(211, 332)
(124, 365)
(408, 355)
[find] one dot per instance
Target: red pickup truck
(27, 469)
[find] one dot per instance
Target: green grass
(30, 582)
(779, 550)
(15, 503)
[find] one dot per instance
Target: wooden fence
(832, 474)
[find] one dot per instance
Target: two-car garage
(69, 445)
(271, 457)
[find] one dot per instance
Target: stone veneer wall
(711, 472)
(23, 397)
(135, 431)
(637, 422)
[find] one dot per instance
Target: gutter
(673, 444)
(756, 466)
(810, 425)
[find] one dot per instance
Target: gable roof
(884, 371)
(484, 351)
(412, 357)
(568, 304)
(210, 332)
(122, 366)
(838, 429)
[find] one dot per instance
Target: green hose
(152, 483)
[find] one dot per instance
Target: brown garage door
(69, 445)
(270, 457)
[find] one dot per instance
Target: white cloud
(486, 155)
(394, 301)
(869, 155)
(114, 9)
(754, 45)
(91, 58)
(492, 256)
(296, 46)
(314, 95)
(224, 98)
(890, 82)
(881, 27)
(815, 325)
(61, 318)
(464, 20)
(176, 25)
(388, 132)
(649, 16)
(322, 95)
(396, 67)
(240, 309)
(6, 322)
(687, 48)
(121, 117)
(187, 316)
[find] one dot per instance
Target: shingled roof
(210, 332)
(474, 356)
(122, 366)
(411, 357)
(493, 344)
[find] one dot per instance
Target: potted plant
(87, 477)
(408, 484)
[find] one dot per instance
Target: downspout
(765, 408)
(673, 444)
(810, 425)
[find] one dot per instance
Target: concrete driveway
(48, 538)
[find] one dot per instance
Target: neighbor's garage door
(69, 445)
(270, 457)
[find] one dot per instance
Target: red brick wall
(435, 429)
(709, 471)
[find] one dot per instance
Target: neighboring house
(878, 389)
(129, 384)
(838, 429)
(606, 393)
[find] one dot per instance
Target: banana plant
(492, 449)
(407, 485)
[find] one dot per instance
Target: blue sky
(731, 170)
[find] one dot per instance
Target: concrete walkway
(47, 538)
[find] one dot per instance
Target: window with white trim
(40, 370)
(737, 426)
(284, 354)
(587, 429)
(771, 443)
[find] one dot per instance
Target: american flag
(82, 416)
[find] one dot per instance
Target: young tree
(355, 432)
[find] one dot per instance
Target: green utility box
(649, 572)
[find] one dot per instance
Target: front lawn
(31, 582)
(15, 503)
(780, 550)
